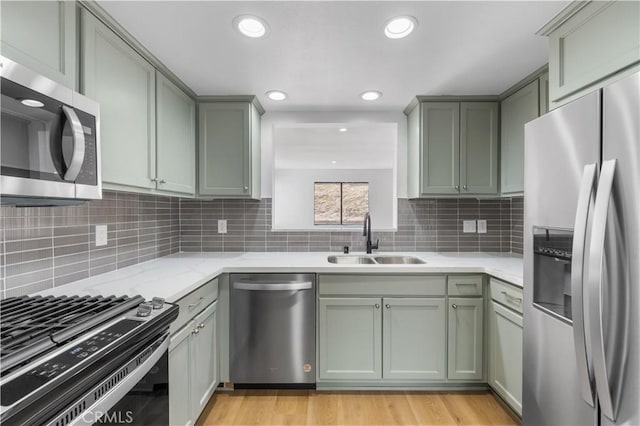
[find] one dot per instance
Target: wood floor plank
(302, 407)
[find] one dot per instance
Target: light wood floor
(301, 407)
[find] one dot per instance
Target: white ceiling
(315, 146)
(324, 54)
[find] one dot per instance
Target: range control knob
(157, 302)
(144, 309)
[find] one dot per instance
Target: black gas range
(74, 360)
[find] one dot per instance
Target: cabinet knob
(454, 306)
(377, 305)
(162, 181)
(196, 330)
(457, 187)
(464, 187)
(246, 188)
(154, 179)
(388, 306)
(201, 325)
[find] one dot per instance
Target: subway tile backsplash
(423, 225)
(42, 247)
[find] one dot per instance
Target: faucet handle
(375, 246)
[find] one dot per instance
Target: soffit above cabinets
(325, 54)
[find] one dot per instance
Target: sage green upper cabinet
(229, 146)
(452, 148)
(590, 45)
(176, 138)
(349, 338)
(478, 148)
(440, 172)
(414, 339)
(465, 360)
(517, 110)
(124, 85)
(41, 35)
(543, 83)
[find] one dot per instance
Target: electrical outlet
(482, 226)
(469, 226)
(101, 235)
(222, 226)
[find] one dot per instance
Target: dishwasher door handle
(271, 286)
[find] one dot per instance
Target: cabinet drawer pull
(377, 305)
(193, 305)
(511, 297)
(454, 306)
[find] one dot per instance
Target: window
(340, 203)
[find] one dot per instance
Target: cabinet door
(543, 83)
(41, 35)
(505, 354)
(204, 358)
(465, 338)
(440, 173)
(176, 138)
(479, 147)
(124, 85)
(517, 110)
(180, 408)
(350, 338)
(224, 137)
(414, 339)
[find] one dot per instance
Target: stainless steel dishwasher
(272, 330)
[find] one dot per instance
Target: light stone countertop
(172, 277)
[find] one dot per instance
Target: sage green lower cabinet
(465, 345)
(41, 35)
(350, 338)
(180, 376)
(193, 355)
(505, 354)
(414, 338)
(205, 358)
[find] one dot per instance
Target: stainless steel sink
(399, 260)
(351, 260)
(374, 260)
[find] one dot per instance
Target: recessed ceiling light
(32, 103)
(251, 26)
(371, 95)
(400, 27)
(276, 95)
(343, 129)
(333, 162)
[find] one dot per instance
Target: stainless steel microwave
(50, 140)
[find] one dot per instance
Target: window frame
(341, 183)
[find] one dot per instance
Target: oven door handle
(118, 391)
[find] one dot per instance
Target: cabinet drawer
(464, 285)
(382, 285)
(506, 294)
(195, 302)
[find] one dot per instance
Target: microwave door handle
(77, 158)
(608, 372)
(585, 202)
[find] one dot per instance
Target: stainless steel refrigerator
(582, 261)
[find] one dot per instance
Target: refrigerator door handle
(604, 371)
(585, 202)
